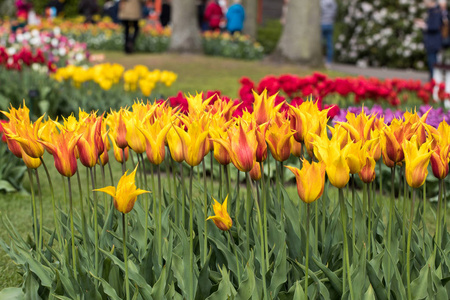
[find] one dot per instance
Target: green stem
(191, 237)
(65, 192)
(364, 212)
(152, 175)
(55, 215)
(235, 254)
(346, 265)
(264, 200)
(380, 179)
(353, 214)
(444, 225)
(41, 212)
(33, 209)
(177, 208)
(83, 217)
(205, 212)
(220, 185)
(146, 208)
(111, 175)
(80, 190)
(183, 200)
(405, 203)
(391, 213)
(369, 211)
(125, 255)
(408, 247)
(423, 216)
(238, 204)
(437, 235)
(307, 249)
(248, 210)
(262, 260)
(279, 198)
(211, 163)
(227, 178)
(160, 200)
(169, 179)
(72, 231)
(105, 200)
(95, 223)
(124, 162)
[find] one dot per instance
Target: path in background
(381, 73)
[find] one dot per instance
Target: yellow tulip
(125, 194)
(221, 218)
(416, 162)
(310, 180)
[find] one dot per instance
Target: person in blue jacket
(432, 37)
(235, 17)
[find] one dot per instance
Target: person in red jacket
(213, 15)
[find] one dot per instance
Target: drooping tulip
(125, 194)
(221, 218)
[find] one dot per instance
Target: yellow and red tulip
(310, 180)
(221, 218)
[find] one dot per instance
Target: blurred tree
(301, 38)
(185, 32)
(251, 14)
(7, 8)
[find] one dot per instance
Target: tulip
(90, 145)
(367, 173)
(264, 107)
(125, 194)
(296, 147)
(155, 135)
(241, 146)
(220, 152)
(175, 143)
(416, 161)
(14, 146)
(134, 137)
(278, 138)
(30, 162)
(355, 157)
(62, 146)
(118, 152)
(255, 172)
(193, 142)
(440, 156)
(335, 159)
(310, 180)
(27, 136)
(221, 218)
(261, 150)
(392, 139)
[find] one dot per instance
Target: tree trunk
(186, 36)
(7, 8)
(300, 41)
(251, 14)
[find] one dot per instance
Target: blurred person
(164, 17)
(130, 11)
(58, 5)
(432, 37)
(445, 31)
(201, 7)
(235, 17)
(88, 8)
(328, 9)
(111, 9)
(213, 15)
(23, 9)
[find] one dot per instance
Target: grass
(198, 73)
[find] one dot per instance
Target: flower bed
(179, 242)
(56, 48)
(345, 91)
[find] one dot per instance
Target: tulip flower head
(416, 160)
(310, 180)
(221, 218)
(125, 194)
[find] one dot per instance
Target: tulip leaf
(375, 281)
(334, 279)
(247, 286)
(420, 284)
(226, 289)
(12, 294)
(107, 288)
(370, 294)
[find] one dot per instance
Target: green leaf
(420, 284)
(226, 289)
(6, 186)
(247, 286)
(12, 294)
(107, 288)
(370, 294)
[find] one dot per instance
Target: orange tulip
(62, 146)
(221, 218)
(264, 107)
(392, 139)
(255, 172)
(27, 135)
(155, 135)
(90, 145)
